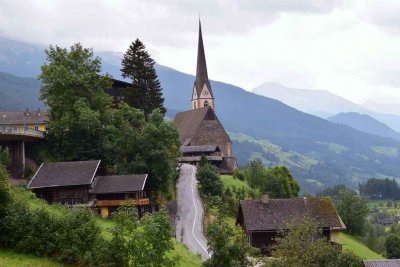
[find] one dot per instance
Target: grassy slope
(230, 181)
(11, 259)
(351, 243)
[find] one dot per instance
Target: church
(200, 131)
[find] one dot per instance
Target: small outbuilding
(262, 220)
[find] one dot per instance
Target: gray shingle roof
(21, 117)
(118, 183)
(382, 263)
(278, 213)
(68, 173)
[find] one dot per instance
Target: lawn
(11, 259)
(231, 182)
(351, 243)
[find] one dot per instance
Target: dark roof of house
(278, 213)
(382, 263)
(118, 183)
(205, 148)
(68, 173)
(21, 117)
(201, 71)
(189, 121)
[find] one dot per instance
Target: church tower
(202, 94)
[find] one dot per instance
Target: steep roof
(21, 117)
(68, 173)
(382, 263)
(278, 213)
(118, 183)
(189, 121)
(201, 71)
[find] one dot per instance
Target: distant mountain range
(365, 123)
(319, 152)
(321, 103)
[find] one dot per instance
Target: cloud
(349, 47)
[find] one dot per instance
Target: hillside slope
(365, 124)
(17, 93)
(319, 152)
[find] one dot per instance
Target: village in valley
(106, 174)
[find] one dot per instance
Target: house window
(36, 127)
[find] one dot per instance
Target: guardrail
(124, 202)
(21, 131)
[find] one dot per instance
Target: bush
(209, 181)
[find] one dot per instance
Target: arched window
(195, 105)
(206, 103)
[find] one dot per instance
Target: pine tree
(145, 92)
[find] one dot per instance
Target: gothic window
(206, 104)
(195, 106)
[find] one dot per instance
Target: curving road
(189, 220)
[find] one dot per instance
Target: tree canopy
(380, 189)
(145, 92)
(353, 210)
(277, 181)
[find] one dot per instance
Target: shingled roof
(68, 173)
(23, 117)
(118, 183)
(278, 213)
(382, 263)
(189, 121)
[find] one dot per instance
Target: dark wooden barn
(262, 220)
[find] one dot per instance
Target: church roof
(189, 121)
(201, 72)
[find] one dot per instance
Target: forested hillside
(319, 152)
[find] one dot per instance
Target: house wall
(64, 194)
(334, 237)
(263, 240)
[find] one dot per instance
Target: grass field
(351, 243)
(381, 205)
(231, 182)
(11, 259)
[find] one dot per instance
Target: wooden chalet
(64, 182)
(200, 131)
(262, 220)
(75, 183)
(116, 90)
(113, 191)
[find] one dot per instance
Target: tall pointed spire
(201, 73)
(202, 93)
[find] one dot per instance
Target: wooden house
(113, 191)
(262, 220)
(75, 183)
(65, 182)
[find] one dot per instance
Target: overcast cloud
(351, 48)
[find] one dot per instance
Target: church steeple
(202, 92)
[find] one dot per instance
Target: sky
(348, 47)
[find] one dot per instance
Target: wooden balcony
(123, 202)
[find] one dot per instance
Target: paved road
(189, 222)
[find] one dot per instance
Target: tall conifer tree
(145, 92)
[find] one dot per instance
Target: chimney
(27, 112)
(38, 112)
(265, 198)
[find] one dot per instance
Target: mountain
(321, 103)
(385, 108)
(318, 152)
(17, 93)
(365, 123)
